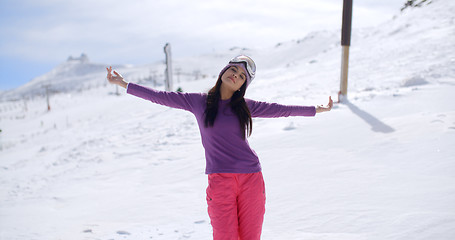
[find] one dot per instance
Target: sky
(37, 35)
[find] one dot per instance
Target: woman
(235, 192)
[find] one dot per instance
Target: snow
(379, 166)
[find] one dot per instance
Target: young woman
(235, 192)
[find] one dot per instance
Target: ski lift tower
(345, 43)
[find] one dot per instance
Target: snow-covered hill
(379, 166)
(70, 76)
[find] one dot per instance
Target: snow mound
(414, 81)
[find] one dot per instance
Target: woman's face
(233, 78)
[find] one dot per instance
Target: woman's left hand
(321, 108)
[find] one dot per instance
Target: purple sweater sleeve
(274, 110)
(185, 101)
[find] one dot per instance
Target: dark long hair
(238, 106)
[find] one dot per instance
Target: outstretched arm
(274, 110)
(117, 79)
(321, 108)
(185, 101)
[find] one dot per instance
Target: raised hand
(117, 79)
(321, 108)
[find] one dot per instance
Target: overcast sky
(37, 35)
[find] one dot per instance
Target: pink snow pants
(236, 205)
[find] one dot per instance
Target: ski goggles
(249, 63)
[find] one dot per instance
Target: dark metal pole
(345, 43)
(346, 24)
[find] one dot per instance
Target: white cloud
(135, 31)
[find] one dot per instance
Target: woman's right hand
(117, 79)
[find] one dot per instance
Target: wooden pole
(47, 96)
(344, 71)
(345, 43)
(168, 80)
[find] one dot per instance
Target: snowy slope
(380, 166)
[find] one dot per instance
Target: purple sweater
(225, 149)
